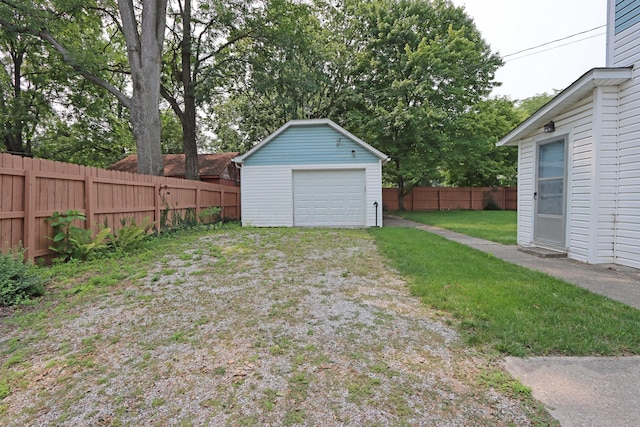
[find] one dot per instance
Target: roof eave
(595, 77)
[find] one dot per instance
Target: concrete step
(543, 252)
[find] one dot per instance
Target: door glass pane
(551, 160)
(550, 198)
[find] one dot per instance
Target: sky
(510, 26)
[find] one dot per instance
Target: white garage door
(329, 198)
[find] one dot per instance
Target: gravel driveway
(255, 327)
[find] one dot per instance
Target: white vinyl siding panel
(607, 175)
(526, 189)
(627, 218)
(266, 196)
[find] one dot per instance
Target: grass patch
(512, 309)
(497, 226)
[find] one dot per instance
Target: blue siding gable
(627, 14)
(305, 145)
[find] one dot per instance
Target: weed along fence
(31, 190)
(444, 198)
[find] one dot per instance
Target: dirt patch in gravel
(255, 327)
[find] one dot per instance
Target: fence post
(222, 203)
(29, 220)
(156, 205)
(89, 201)
(198, 207)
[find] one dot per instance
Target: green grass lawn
(512, 309)
(497, 226)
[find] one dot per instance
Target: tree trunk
(400, 194)
(146, 126)
(14, 126)
(188, 119)
(144, 51)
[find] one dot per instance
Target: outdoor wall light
(353, 153)
(549, 127)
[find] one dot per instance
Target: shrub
(19, 281)
(130, 235)
(489, 203)
(209, 215)
(75, 242)
(63, 232)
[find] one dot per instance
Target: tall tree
(201, 36)
(142, 25)
(24, 90)
(421, 65)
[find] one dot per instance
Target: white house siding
(576, 126)
(580, 172)
(605, 189)
(526, 176)
(627, 248)
(267, 193)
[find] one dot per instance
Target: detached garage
(311, 173)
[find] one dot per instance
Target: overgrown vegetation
(72, 242)
(497, 226)
(19, 281)
(512, 309)
(130, 235)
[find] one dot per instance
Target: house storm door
(550, 215)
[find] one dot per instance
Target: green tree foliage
(420, 66)
(291, 68)
(104, 41)
(528, 106)
(411, 77)
(62, 116)
(199, 52)
(471, 157)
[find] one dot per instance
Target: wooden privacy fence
(32, 189)
(445, 198)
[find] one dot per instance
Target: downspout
(375, 204)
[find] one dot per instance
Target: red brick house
(214, 168)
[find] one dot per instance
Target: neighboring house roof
(595, 77)
(208, 164)
(313, 122)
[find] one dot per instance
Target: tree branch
(173, 102)
(130, 32)
(69, 59)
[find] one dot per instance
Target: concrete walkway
(577, 391)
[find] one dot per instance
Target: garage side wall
(267, 193)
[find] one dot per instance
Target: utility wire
(554, 47)
(553, 41)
